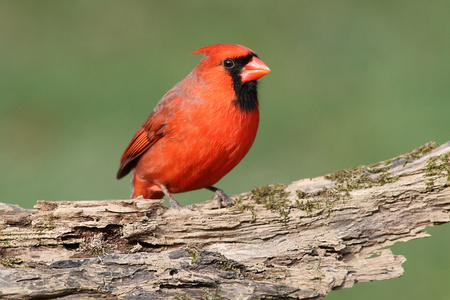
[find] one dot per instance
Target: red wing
(151, 131)
(144, 138)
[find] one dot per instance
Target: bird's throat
(246, 94)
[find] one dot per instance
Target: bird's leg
(173, 203)
(221, 196)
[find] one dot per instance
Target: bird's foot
(174, 203)
(221, 197)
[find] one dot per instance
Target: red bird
(200, 130)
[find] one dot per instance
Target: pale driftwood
(137, 249)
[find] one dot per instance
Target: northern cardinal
(201, 128)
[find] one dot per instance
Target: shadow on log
(298, 241)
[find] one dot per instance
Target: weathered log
(279, 242)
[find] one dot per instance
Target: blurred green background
(352, 82)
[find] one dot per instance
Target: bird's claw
(221, 196)
(175, 205)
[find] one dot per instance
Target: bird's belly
(192, 159)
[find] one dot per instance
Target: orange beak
(254, 70)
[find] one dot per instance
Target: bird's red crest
(226, 50)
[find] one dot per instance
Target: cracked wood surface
(283, 242)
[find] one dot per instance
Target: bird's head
(239, 61)
(236, 64)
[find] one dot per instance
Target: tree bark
(298, 241)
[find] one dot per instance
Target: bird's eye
(228, 63)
